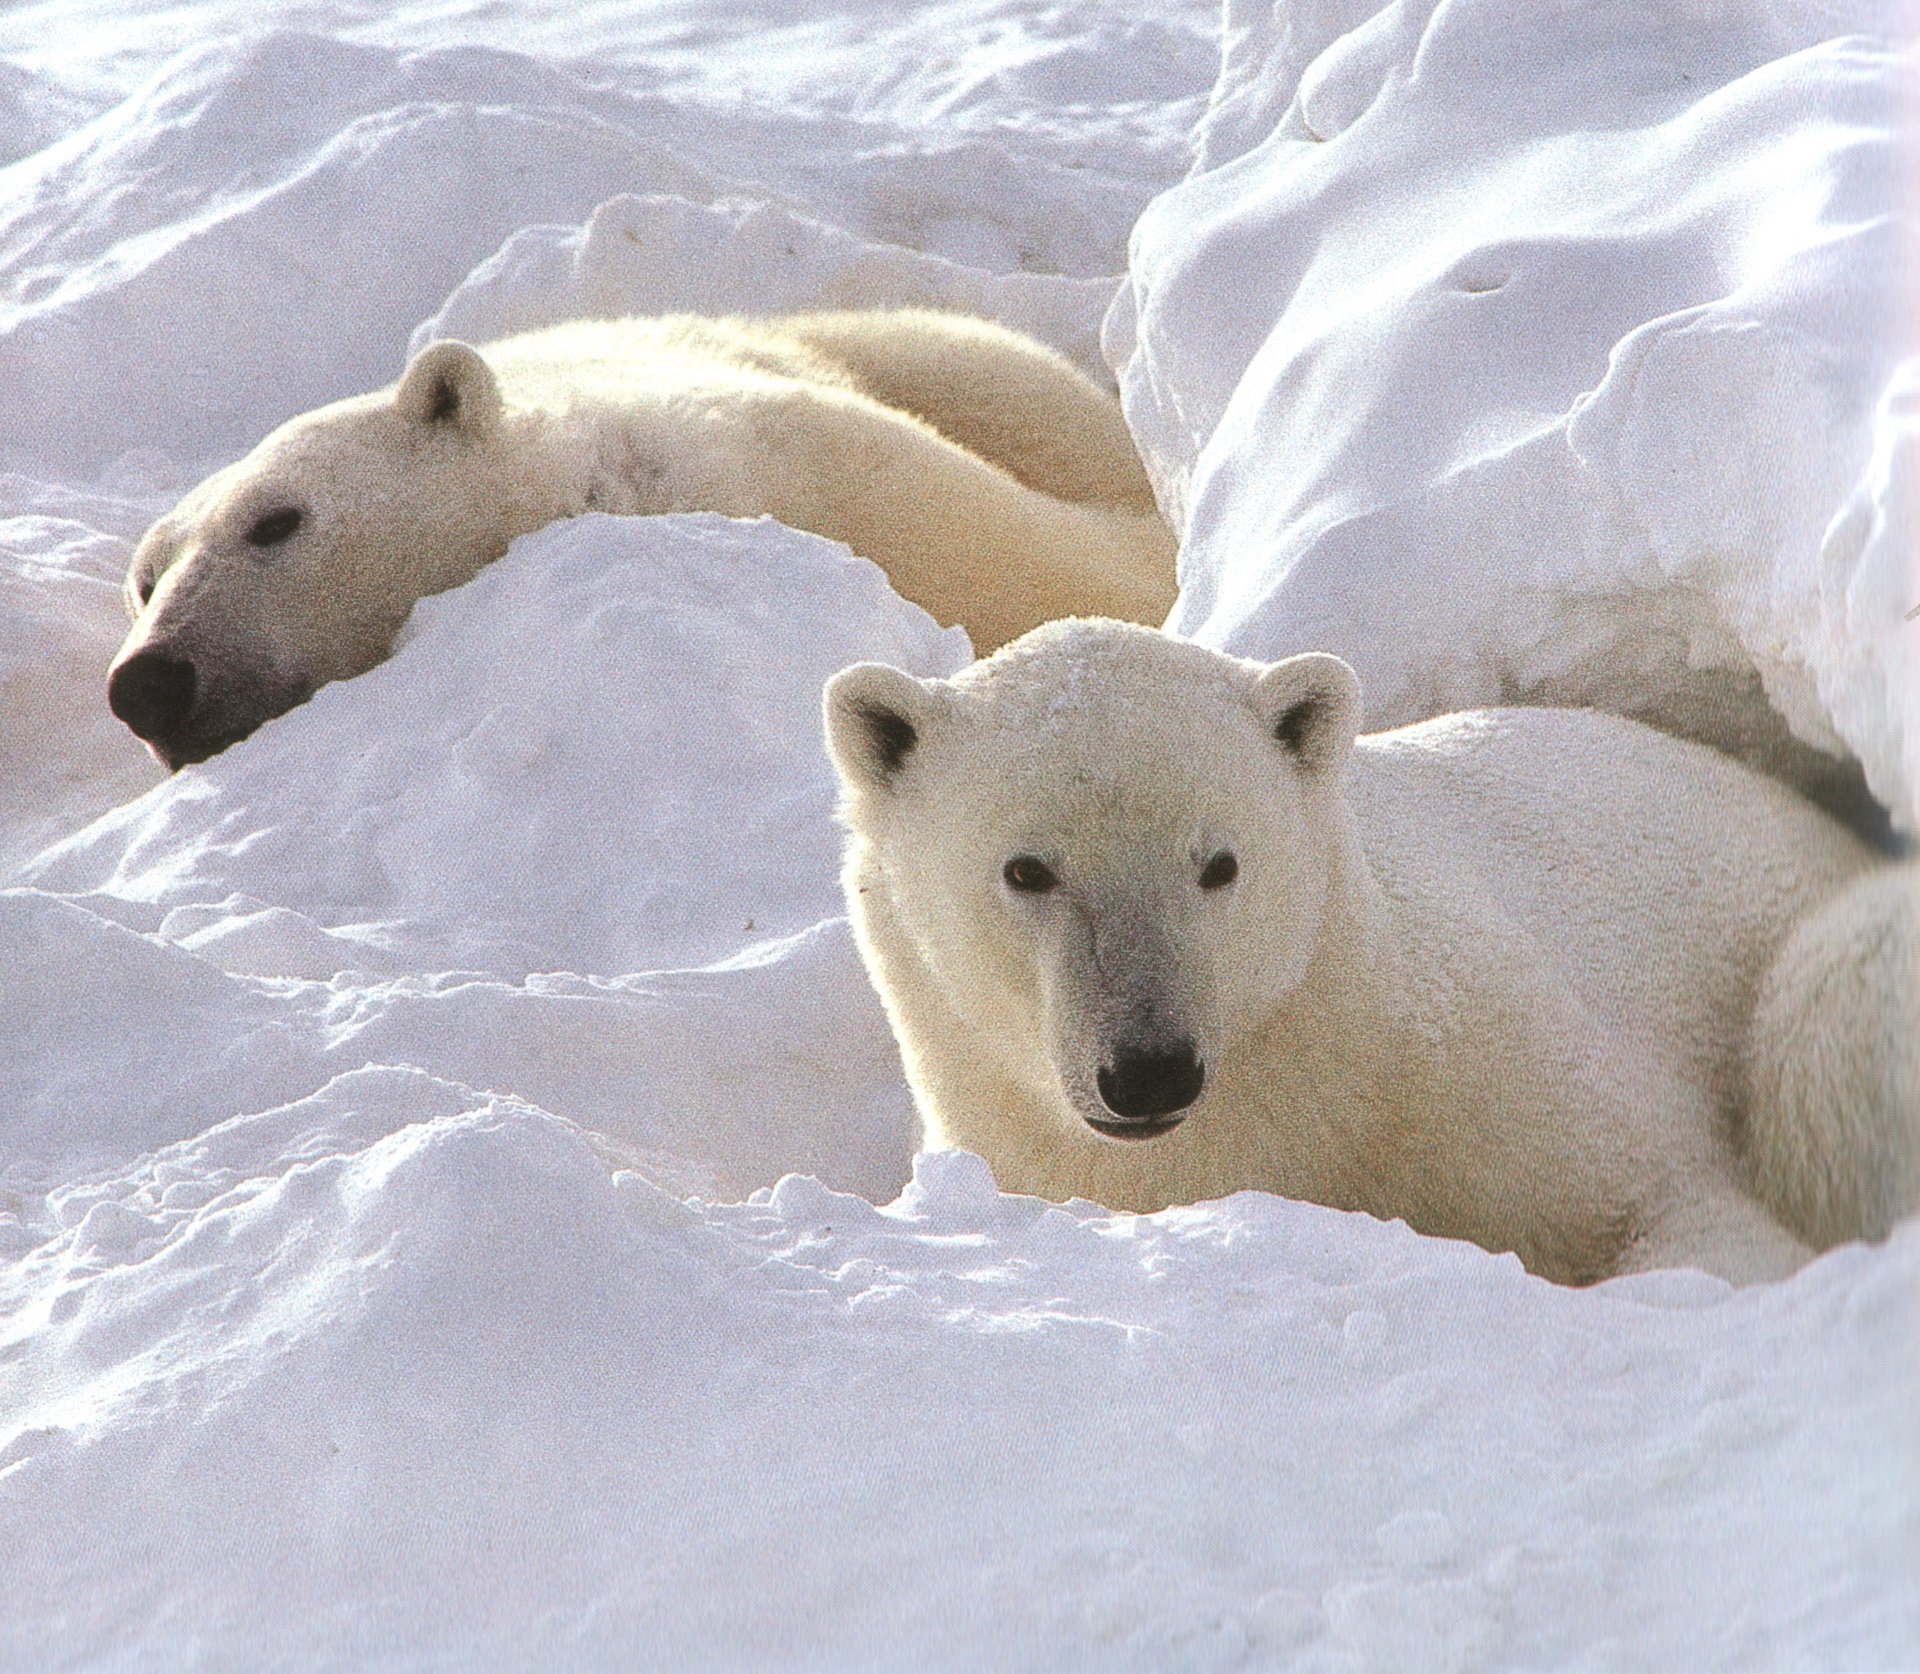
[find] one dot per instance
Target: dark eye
(1219, 871)
(1028, 875)
(271, 528)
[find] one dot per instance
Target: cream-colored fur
(1492, 974)
(1833, 1048)
(993, 482)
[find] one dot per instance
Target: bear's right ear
(876, 717)
(448, 383)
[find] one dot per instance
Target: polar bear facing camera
(995, 484)
(1152, 925)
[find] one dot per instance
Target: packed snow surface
(457, 1194)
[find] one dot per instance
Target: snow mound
(344, 188)
(62, 557)
(574, 839)
(369, 183)
(404, 1353)
(662, 254)
(1560, 360)
(512, 789)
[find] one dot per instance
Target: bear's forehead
(1084, 686)
(1123, 758)
(358, 425)
(1151, 807)
(1117, 727)
(1164, 763)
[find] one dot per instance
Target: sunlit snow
(458, 1203)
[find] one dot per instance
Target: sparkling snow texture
(457, 1201)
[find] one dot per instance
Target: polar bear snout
(186, 707)
(1148, 1090)
(152, 692)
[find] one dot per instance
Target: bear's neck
(540, 475)
(595, 459)
(1386, 1065)
(1343, 1056)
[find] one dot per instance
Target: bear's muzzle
(1148, 1091)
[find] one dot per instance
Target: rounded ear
(1311, 704)
(448, 383)
(876, 717)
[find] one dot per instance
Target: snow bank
(410, 1366)
(603, 757)
(259, 225)
(1557, 356)
(661, 254)
(396, 1264)
(625, 711)
(63, 554)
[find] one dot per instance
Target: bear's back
(1656, 875)
(620, 362)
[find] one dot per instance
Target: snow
(457, 1194)
(1552, 358)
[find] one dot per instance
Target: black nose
(152, 693)
(1139, 1085)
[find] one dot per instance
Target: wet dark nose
(153, 693)
(1141, 1085)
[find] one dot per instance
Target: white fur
(1491, 974)
(994, 483)
(1833, 1048)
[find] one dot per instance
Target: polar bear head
(1085, 868)
(298, 564)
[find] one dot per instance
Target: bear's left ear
(1310, 704)
(876, 717)
(448, 383)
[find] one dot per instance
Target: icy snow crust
(457, 1203)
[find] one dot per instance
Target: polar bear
(995, 484)
(1152, 925)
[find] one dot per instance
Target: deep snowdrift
(380, 1102)
(1556, 359)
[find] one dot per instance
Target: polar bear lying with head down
(995, 484)
(1152, 925)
